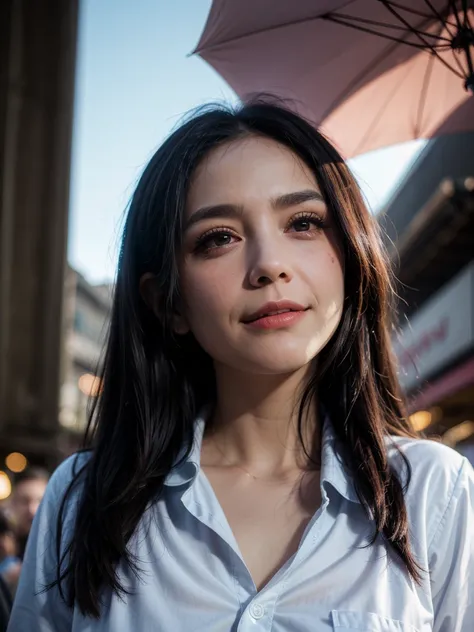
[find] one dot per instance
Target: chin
(271, 356)
(275, 362)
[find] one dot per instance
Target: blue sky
(134, 83)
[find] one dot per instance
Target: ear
(148, 289)
(149, 292)
(180, 324)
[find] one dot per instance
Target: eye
(214, 240)
(306, 222)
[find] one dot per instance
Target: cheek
(207, 305)
(335, 271)
(325, 272)
(206, 297)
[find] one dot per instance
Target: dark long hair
(153, 384)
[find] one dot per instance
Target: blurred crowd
(16, 518)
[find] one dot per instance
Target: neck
(255, 422)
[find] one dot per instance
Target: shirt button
(257, 610)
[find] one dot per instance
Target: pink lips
(276, 315)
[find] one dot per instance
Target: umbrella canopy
(369, 73)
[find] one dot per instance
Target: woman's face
(258, 237)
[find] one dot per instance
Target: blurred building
(38, 41)
(86, 318)
(430, 225)
(87, 311)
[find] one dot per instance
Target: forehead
(246, 170)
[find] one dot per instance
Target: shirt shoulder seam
(452, 497)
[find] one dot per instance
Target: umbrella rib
(467, 21)
(408, 25)
(333, 18)
(423, 94)
(268, 29)
(460, 66)
(378, 116)
(312, 19)
(464, 10)
(443, 21)
(388, 26)
(420, 13)
(452, 4)
(328, 16)
(360, 76)
(393, 11)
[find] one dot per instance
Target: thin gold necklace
(252, 476)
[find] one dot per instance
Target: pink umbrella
(369, 73)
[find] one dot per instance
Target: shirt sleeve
(452, 559)
(36, 609)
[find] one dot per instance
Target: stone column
(38, 40)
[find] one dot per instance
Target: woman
(252, 464)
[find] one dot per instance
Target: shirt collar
(185, 470)
(333, 470)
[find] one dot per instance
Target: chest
(268, 520)
(193, 579)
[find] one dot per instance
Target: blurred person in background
(5, 604)
(15, 525)
(28, 491)
(10, 567)
(252, 464)
(8, 544)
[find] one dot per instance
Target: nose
(268, 265)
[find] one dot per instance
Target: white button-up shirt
(194, 578)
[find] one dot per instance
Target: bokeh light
(421, 420)
(16, 462)
(90, 384)
(5, 485)
(459, 433)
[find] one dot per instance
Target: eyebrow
(228, 211)
(298, 197)
(231, 211)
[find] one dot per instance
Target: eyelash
(202, 241)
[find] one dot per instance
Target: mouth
(275, 310)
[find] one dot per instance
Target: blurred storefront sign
(441, 331)
(429, 223)
(448, 384)
(435, 353)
